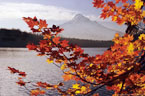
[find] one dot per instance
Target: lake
(36, 68)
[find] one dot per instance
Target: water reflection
(36, 68)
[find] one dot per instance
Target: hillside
(89, 43)
(17, 38)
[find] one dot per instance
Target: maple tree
(121, 68)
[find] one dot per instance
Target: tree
(121, 68)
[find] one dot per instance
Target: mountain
(114, 26)
(82, 27)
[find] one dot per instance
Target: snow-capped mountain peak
(80, 18)
(82, 27)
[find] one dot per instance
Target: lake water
(36, 67)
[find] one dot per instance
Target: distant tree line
(17, 38)
(89, 43)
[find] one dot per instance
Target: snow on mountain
(83, 28)
(114, 26)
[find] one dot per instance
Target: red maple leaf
(22, 74)
(98, 3)
(124, 1)
(31, 46)
(103, 15)
(13, 70)
(42, 24)
(56, 40)
(31, 21)
(64, 43)
(21, 83)
(111, 4)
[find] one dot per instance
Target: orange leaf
(117, 1)
(67, 77)
(36, 92)
(42, 24)
(120, 21)
(56, 40)
(21, 83)
(13, 70)
(96, 94)
(143, 79)
(64, 43)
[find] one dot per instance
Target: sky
(54, 11)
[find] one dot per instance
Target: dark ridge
(89, 43)
(17, 38)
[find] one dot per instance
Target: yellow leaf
(142, 37)
(114, 18)
(91, 79)
(130, 48)
(129, 68)
(63, 67)
(143, 13)
(77, 92)
(138, 4)
(48, 88)
(91, 65)
(83, 88)
(49, 61)
(76, 86)
(119, 64)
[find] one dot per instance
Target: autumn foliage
(121, 11)
(121, 68)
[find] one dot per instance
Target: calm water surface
(36, 67)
